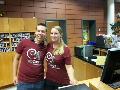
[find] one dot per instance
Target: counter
(85, 69)
(96, 84)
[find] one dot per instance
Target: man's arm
(15, 67)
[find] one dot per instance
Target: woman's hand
(73, 82)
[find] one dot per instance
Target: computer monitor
(87, 51)
(83, 51)
(100, 42)
(111, 70)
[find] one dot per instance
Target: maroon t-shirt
(31, 67)
(56, 70)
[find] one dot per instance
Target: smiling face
(55, 35)
(40, 33)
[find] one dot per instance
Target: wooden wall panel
(40, 4)
(14, 14)
(57, 9)
(27, 9)
(13, 8)
(71, 10)
(4, 26)
(16, 25)
(28, 14)
(30, 24)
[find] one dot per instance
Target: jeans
(49, 85)
(31, 86)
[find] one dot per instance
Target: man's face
(40, 33)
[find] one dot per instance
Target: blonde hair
(60, 49)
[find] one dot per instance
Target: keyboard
(75, 87)
(115, 85)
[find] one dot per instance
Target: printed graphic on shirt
(51, 60)
(34, 56)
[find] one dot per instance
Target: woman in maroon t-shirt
(59, 69)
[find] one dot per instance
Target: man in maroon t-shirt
(28, 69)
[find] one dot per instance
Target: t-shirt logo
(34, 56)
(51, 60)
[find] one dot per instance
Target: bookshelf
(12, 31)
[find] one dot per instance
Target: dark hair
(42, 24)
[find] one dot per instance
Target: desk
(102, 52)
(85, 69)
(96, 84)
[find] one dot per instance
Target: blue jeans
(49, 85)
(31, 86)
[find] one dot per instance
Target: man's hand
(15, 80)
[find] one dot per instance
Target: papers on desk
(94, 60)
(100, 60)
(114, 49)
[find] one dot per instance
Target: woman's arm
(70, 72)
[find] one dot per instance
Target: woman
(59, 69)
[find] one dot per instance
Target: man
(28, 69)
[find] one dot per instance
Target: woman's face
(55, 35)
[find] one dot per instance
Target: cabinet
(101, 52)
(92, 71)
(79, 69)
(16, 25)
(22, 25)
(4, 27)
(13, 30)
(6, 60)
(15, 38)
(84, 70)
(30, 24)
(4, 42)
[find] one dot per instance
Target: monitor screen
(87, 51)
(100, 42)
(83, 51)
(111, 71)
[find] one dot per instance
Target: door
(88, 31)
(52, 23)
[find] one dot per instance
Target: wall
(117, 7)
(71, 10)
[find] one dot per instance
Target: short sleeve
(67, 56)
(20, 47)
